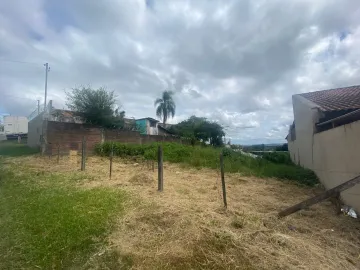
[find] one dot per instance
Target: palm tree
(165, 106)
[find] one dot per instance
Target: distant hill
(263, 147)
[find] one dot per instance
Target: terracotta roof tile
(345, 98)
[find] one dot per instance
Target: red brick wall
(69, 136)
(157, 138)
(135, 137)
(124, 136)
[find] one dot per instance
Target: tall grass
(270, 166)
(51, 225)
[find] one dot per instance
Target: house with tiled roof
(325, 137)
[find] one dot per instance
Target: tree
(283, 147)
(97, 107)
(165, 106)
(200, 129)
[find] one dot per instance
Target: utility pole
(47, 69)
(38, 106)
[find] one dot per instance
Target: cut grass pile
(47, 223)
(185, 226)
(54, 217)
(272, 166)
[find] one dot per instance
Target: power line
(21, 62)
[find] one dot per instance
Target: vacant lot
(84, 220)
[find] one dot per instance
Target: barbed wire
(36, 112)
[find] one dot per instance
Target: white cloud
(237, 63)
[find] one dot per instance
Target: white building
(325, 137)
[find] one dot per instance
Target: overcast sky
(237, 62)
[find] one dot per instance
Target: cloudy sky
(237, 62)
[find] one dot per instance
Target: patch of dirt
(186, 226)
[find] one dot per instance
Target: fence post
(83, 154)
(160, 169)
(50, 152)
(58, 153)
(111, 158)
(335, 191)
(223, 179)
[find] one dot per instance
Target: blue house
(151, 126)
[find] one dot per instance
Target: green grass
(277, 166)
(45, 223)
(14, 149)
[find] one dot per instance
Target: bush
(277, 165)
(227, 152)
(278, 157)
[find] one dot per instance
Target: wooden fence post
(111, 158)
(83, 154)
(160, 169)
(50, 152)
(321, 197)
(223, 179)
(58, 153)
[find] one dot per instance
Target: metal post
(46, 80)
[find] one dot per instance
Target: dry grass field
(186, 226)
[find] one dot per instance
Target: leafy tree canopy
(97, 106)
(201, 129)
(283, 147)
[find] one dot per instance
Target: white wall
(153, 131)
(36, 126)
(306, 114)
(337, 159)
(334, 155)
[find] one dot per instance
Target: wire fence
(36, 112)
(80, 149)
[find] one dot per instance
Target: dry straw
(186, 227)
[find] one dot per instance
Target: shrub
(278, 157)
(277, 165)
(227, 152)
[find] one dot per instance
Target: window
(152, 124)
